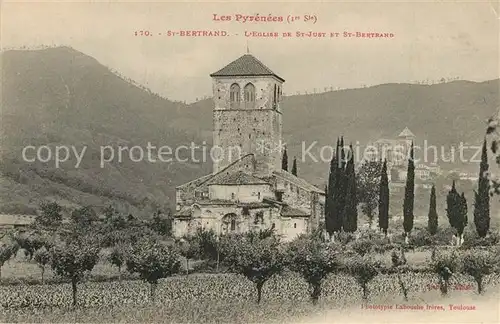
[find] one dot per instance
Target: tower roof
(406, 133)
(246, 65)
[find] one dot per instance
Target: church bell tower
(247, 117)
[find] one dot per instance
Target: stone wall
(239, 128)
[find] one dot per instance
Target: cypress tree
(461, 218)
(342, 183)
(482, 198)
(350, 223)
(330, 194)
(452, 205)
(432, 224)
(409, 196)
(294, 166)
(284, 160)
(337, 207)
(383, 202)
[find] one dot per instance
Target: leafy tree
(31, 241)
(369, 178)
(153, 260)
(432, 223)
(383, 200)
(482, 196)
(118, 257)
(189, 249)
(313, 260)
(400, 265)
(84, 216)
(207, 242)
(109, 212)
(409, 196)
(7, 250)
(257, 257)
(351, 202)
(50, 215)
(72, 259)
(294, 166)
(42, 258)
(478, 263)
(363, 269)
(444, 265)
(161, 224)
(284, 160)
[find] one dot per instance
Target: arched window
(234, 95)
(233, 224)
(249, 96)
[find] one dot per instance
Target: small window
(233, 224)
(232, 196)
(294, 225)
(258, 195)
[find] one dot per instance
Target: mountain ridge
(60, 96)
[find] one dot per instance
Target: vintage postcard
(250, 162)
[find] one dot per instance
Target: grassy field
(212, 298)
(215, 298)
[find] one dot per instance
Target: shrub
(345, 238)
(153, 260)
(473, 240)
(256, 257)
(421, 237)
(444, 265)
(72, 259)
(42, 258)
(313, 260)
(363, 269)
(362, 246)
(7, 251)
(477, 263)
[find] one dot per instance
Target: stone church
(248, 188)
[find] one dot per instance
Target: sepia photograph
(250, 162)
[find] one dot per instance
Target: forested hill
(60, 96)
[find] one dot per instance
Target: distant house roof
(16, 220)
(406, 133)
(246, 65)
(389, 142)
(236, 178)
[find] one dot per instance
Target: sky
(431, 40)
